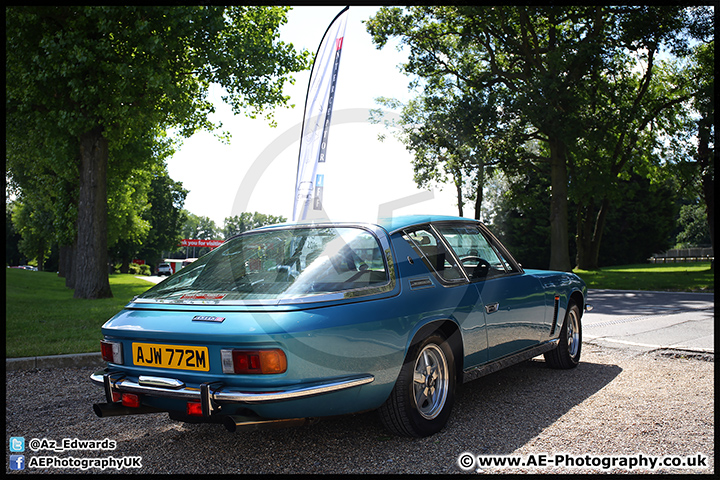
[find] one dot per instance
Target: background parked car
(164, 269)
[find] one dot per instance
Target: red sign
(198, 242)
(139, 262)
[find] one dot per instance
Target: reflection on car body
(285, 324)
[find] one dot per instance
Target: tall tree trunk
(69, 254)
(708, 182)
(458, 180)
(590, 229)
(91, 256)
(125, 265)
(706, 160)
(41, 257)
(479, 190)
(559, 244)
(62, 261)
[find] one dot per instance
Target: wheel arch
(451, 331)
(579, 300)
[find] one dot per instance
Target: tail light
(111, 351)
(194, 409)
(265, 361)
(130, 400)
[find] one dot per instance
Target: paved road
(646, 321)
(152, 278)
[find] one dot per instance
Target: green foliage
(200, 227)
(452, 134)
(582, 82)
(248, 221)
(134, 269)
(118, 77)
(12, 240)
(34, 224)
(639, 225)
(521, 221)
(165, 215)
(131, 69)
(693, 226)
(197, 227)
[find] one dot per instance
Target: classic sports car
(288, 323)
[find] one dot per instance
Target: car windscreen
(281, 264)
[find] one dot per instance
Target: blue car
(285, 324)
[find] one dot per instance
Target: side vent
(555, 315)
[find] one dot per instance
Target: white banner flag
(310, 179)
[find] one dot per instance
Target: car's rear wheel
(567, 353)
(422, 399)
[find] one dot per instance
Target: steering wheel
(482, 266)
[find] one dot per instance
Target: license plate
(180, 357)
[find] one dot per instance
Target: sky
(256, 171)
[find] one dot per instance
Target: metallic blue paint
(330, 338)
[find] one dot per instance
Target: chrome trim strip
(173, 383)
(450, 250)
(482, 370)
(232, 395)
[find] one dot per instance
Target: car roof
(391, 224)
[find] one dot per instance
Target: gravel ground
(614, 403)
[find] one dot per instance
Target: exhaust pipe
(116, 409)
(235, 423)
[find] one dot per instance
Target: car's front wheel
(422, 399)
(567, 353)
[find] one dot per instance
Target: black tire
(567, 353)
(421, 401)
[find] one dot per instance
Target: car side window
(477, 255)
(434, 254)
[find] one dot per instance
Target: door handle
(492, 307)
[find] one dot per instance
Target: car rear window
(281, 264)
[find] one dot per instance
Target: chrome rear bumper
(210, 394)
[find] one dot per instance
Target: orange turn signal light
(265, 361)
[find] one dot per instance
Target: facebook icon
(17, 462)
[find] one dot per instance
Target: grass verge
(43, 318)
(671, 277)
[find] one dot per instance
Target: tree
(451, 133)
(12, 239)
(693, 227)
(637, 227)
(165, 215)
(100, 77)
(641, 224)
(704, 102)
(33, 223)
(520, 219)
(547, 65)
(197, 227)
(248, 221)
